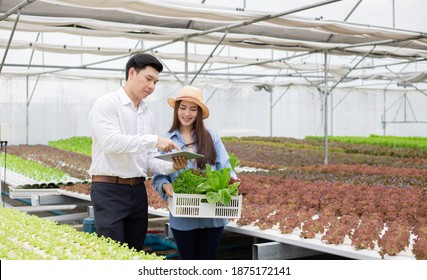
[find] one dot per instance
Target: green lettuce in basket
(217, 187)
(188, 180)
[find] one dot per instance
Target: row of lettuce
(386, 141)
(374, 151)
(31, 169)
(28, 237)
(82, 144)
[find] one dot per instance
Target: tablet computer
(186, 154)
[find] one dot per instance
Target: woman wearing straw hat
(196, 238)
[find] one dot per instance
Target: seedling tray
(196, 206)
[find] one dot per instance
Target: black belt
(117, 180)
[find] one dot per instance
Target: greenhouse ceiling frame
(194, 34)
(377, 47)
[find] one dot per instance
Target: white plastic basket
(196, 206)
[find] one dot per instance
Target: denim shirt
(222, 161)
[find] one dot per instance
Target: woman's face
(187, 113)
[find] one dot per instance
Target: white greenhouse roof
(275, 41)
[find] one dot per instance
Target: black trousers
(121, 212)
(198, 244)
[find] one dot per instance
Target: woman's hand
(167, 189)
(179, 163)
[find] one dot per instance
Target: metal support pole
(332, 114)
(26, 110)
(186, 61)
(32, 52)
(346, 18)
(16, 8)
(394, 14)
(384, 113)
(274, 104)
(210, 55)
(352, 68)
(171, 71)
(325, 107)
(301, 75)
(405, 99)
(400, 77)
(10, 40)
(271, 114)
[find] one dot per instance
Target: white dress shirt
(123, 139)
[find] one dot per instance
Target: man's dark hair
(142, 60)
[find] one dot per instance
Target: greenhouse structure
(325, 101)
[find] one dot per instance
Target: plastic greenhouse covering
(266, 70)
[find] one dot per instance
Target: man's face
(143, 83)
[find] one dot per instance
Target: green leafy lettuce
(188, 180)
(217, 187)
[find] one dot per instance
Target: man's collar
(124, 98)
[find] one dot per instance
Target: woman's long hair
(204, 142)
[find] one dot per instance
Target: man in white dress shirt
(123, 147)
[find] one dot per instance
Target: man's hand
(166, 145)
(179, 163)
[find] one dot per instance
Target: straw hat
(192, 94)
